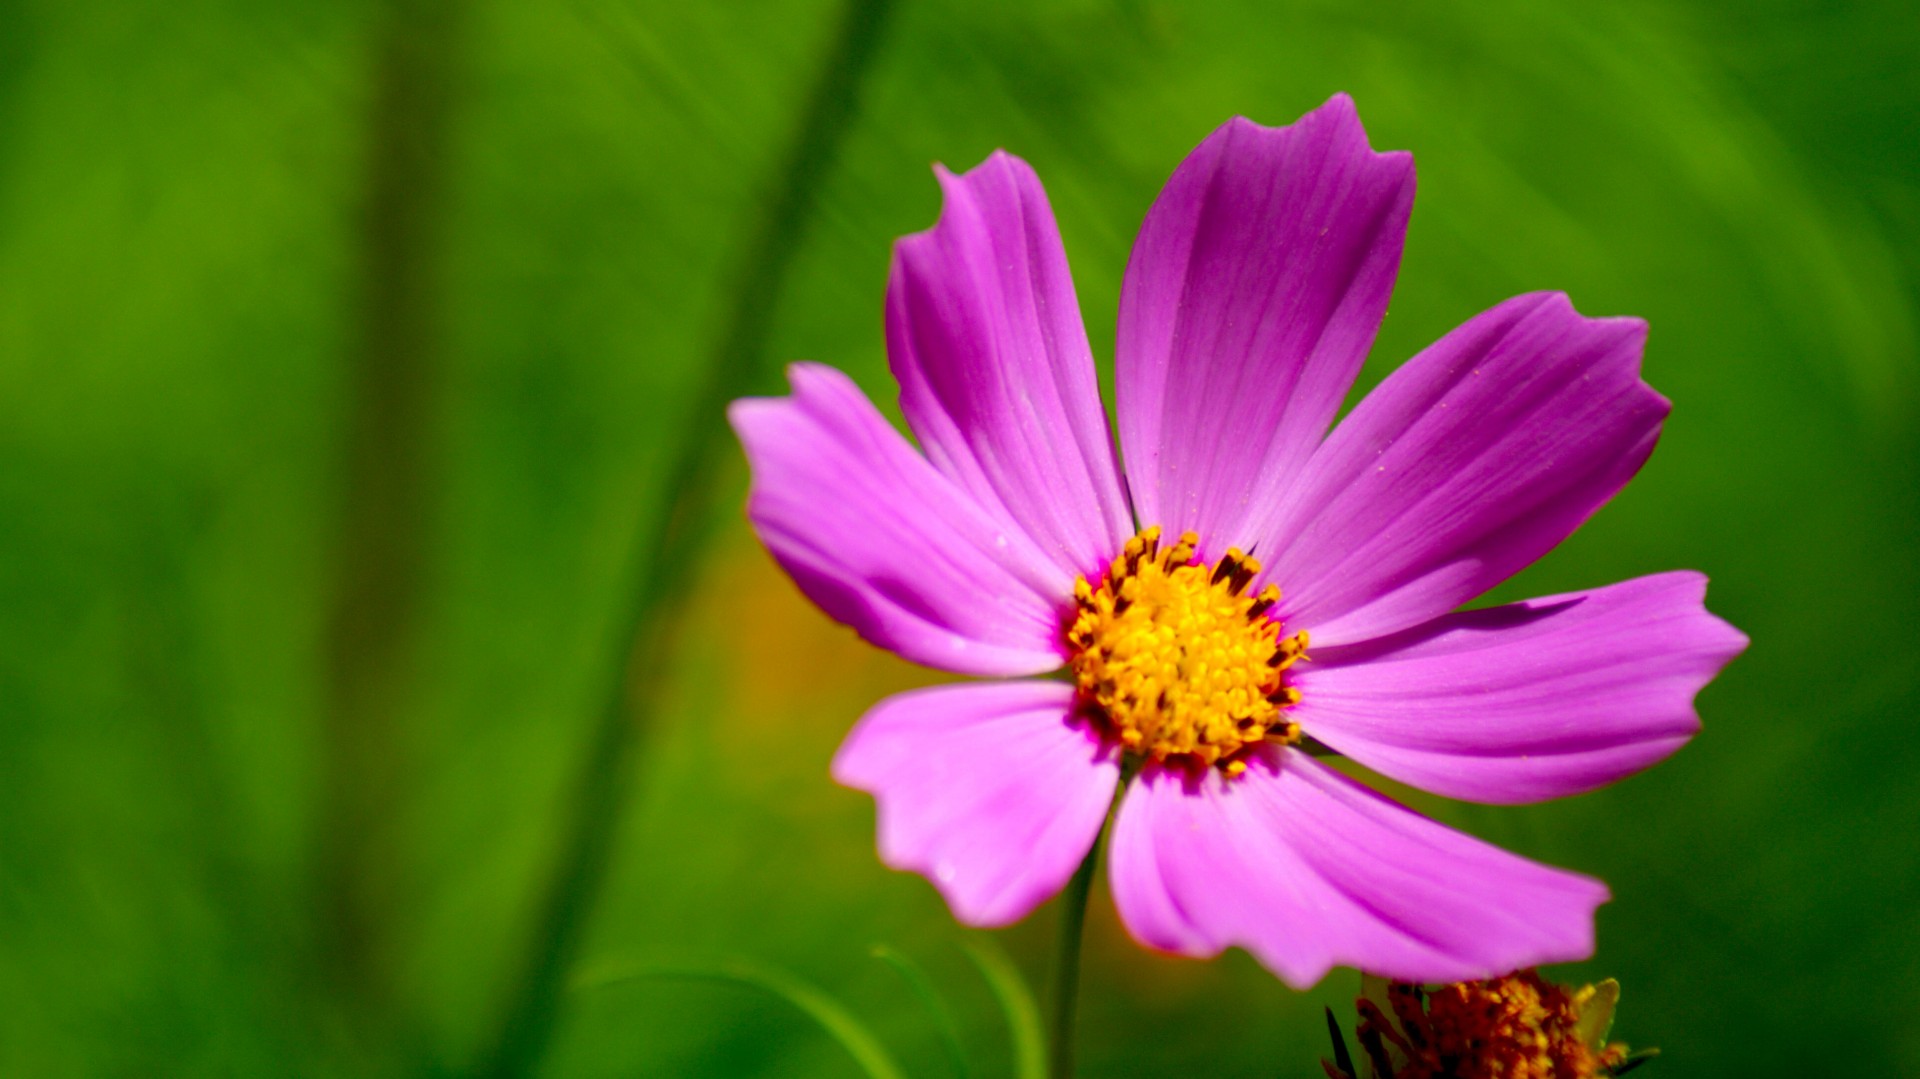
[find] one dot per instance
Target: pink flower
(1180, 593)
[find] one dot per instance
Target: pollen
(1178, 661)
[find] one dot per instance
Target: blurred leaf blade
(923, 988)
(1025, 1032)
(833, 1017)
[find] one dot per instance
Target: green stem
(385, 491)
(671, 542)
(1066, 964)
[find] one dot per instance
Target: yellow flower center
(1178, 661)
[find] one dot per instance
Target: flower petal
(1307, 869)
(1534, 700)
(1252, 296)
(884, 543)
(992, 791)
(996, 379)
(1472, 460)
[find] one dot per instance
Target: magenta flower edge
(1248, 580)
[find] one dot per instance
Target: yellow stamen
(1178, 660)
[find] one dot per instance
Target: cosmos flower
(1520, 1026)
(1250, 589)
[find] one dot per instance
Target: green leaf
(922, 986)
(1341, 1058)
(1016, 1000)
(1596, 1016)
(853, 1035)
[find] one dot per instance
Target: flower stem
(1066, 964)
(386, 493)
(669, 543)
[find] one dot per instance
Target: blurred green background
(347, 354)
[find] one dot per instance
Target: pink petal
(886, 544)
(1472, 460)
(996, 379)
(1254, 291)
(992, 791)
(1541, 699)
(1307, 869)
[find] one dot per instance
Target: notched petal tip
(1627, 334)
(961, 192)
(1338, 116)
(1720, 637)
(1559, 304)
(1341, 112)
(1630, 333)
(999, 162)
(1338, 109)
(742, 408)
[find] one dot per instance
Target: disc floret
(1178, 661)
